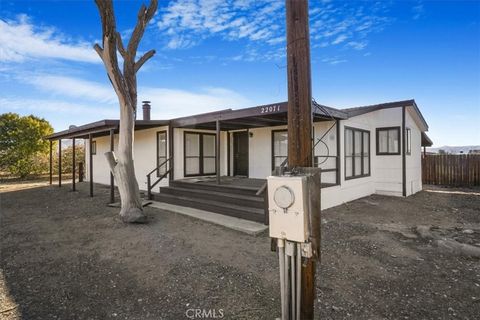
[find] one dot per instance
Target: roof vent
(146, 110)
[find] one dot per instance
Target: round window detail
(284, 197)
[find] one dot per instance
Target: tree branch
(143, 59)
(99, 50)
(120, 46)
(144, 16)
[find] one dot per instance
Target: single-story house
(218, 161)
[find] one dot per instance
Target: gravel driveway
(65, 255)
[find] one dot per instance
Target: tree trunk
(125, 86)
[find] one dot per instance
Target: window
(279, 147)
(94, 148)
(388, 141)
(161, 153)
(408, 138)
(357, 153)
(199, 154)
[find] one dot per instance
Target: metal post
(228, 153)
(90, 169)
(51, 163)
(60, 162)
(73, 164)
(338, 153)
(170, 151)
(404, 160)
(300, 124)
(217, 152)
(112, 182)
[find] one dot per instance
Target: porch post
(424, 151)
(228, 153)
(112, 182)
(170, 152)
(73, 164)
(90, 169)
(338, 153)
(217, 152)
(59, 162)
(51, 164)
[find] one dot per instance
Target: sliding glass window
(199, 154)
(357, 153)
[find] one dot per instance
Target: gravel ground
(65, 255)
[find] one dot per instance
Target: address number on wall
(268, 109)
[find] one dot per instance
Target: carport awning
(261, 116)
(102, 128)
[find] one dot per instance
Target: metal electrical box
(288, 205)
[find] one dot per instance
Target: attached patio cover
(101, 128)
(260, 116)
(90, 131)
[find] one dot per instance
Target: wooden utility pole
(300, 121)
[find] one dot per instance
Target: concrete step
(232, 198)
(242, 225)
(233, 210)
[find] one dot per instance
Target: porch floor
(236, 182)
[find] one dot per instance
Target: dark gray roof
(352, 112)
(262, 115)
(426, 141)
(99, 128)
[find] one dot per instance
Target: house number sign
(269, 109)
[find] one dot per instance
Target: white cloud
(21, 40)
(418, 11)
(341, 38)
(171, 103)
(166, 102)
(186, 23)
(334, 60)
(39, 106)
(72, 87)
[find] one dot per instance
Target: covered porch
(249, 143)
(89, 132)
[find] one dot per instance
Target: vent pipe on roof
(146, 110)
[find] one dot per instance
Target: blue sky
(218, 54)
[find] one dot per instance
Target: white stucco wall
(145, 153)
(414, 160)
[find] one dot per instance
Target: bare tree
(125, 85)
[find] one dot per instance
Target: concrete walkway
(245, 226)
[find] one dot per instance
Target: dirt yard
(65, 255)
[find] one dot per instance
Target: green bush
(23, 151)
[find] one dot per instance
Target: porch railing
(151, 185)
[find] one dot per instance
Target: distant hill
(454, 150)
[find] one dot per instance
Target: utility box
(288, 207)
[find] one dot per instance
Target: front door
(240, 153)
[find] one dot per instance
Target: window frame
(377, 141)
(166, 150)
(362, 152)
(408, 141)
(273, 146)
(200, 155)
(93, 147)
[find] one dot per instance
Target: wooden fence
(451, 169)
